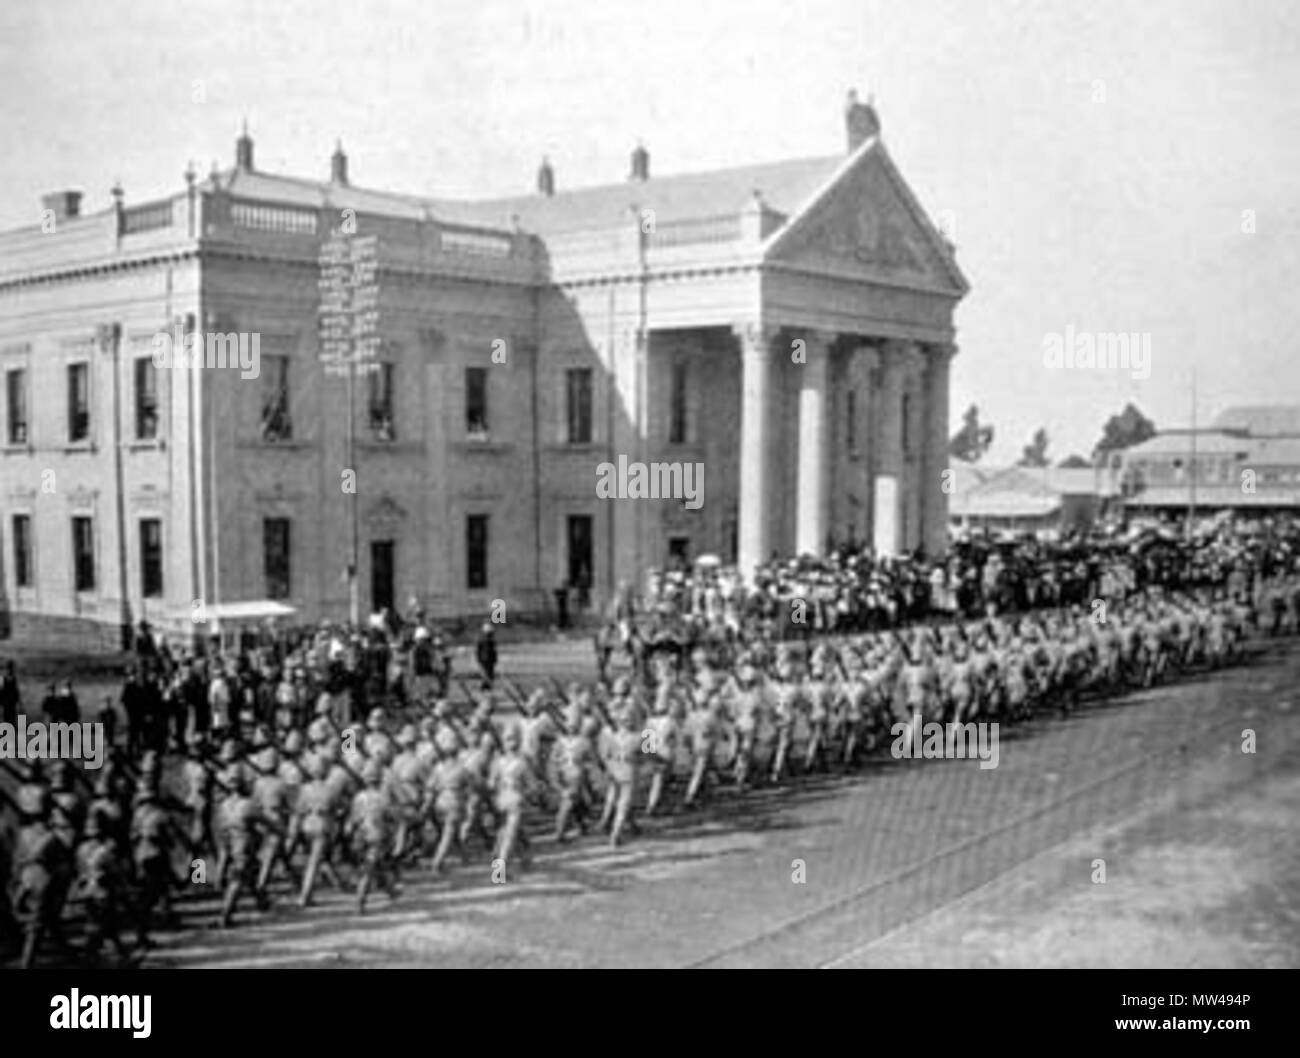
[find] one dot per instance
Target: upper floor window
(16, 401)
(381, 401)
(277, 423)
(677, 417)
(146, 399)
(578, 399)
(476, 403)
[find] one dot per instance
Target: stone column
(869, 357)
(887, 502)
(934, 513)
(813, 510)
(757, 423)
(914, 484)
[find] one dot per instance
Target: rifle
(513, 692)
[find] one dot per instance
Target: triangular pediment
(866, 224)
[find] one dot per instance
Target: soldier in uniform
(574, 756)
(511, 780)
(370, 828)
(621, 753)
(703, 728)
(152, 841)
(445, 790)
(661, 735)
(272, 796)
(100, 886)
(317, 814)
(41, 861)
(197, 792)
(245, 829)
(405, 784)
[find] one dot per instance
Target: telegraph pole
(349, 321)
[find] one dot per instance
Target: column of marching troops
(284, 805)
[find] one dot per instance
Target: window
(22, 550)
(275, 557)
(151, 566)
(476, 403)
(677, 410)
(16, 393)
(78, 402)
(578, 389)
(851, 421)
(83, 554)
(381, 401)
(146, 399)
(476, 551)
(277, 424)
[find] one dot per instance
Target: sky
(1102, 167)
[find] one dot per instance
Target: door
(381, 575)
(579, 550)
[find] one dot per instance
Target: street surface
(908, 863)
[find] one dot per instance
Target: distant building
(1248, 459)
(1029, 499)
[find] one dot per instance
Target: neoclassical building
(787, 327)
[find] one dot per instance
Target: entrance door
(381, 575)
(679, 552)
(580, 535)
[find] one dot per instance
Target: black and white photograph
(547, 484)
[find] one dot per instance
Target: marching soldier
(622, 756)
(510, 779)
(100, 886)
(370, 828)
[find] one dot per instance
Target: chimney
(861, 121)
(640, 164)
(65, 205)
(546, 178)
(244, 150)
(339, 166)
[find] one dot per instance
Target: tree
(1074, 461)
(1130, 427)
(1034, 454)
(970, 442)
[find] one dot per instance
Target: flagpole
(1191, 479)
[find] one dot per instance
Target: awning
(250, 612)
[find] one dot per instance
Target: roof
(1262, 420)
(1003, 505)
(1075, 481)
(785, 186)
(1266, 451)
(1208, 442)
(1179, 496)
